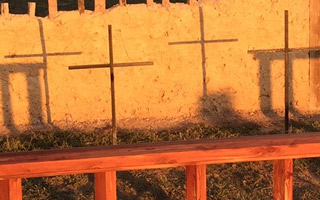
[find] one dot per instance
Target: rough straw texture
(35, 89)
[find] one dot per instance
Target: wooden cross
(45, 56)
(286, 50)
(202, 42)
(111, 65)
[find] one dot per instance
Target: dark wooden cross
(202, 42)
(111, 65)
(286, 50)
(44, 56)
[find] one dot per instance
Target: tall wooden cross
(202, 42)
(286, 50)
(44, 56)
(111, 65)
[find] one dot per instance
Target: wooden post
(81, 6)
(166, 3)
(282, 179)
(149, 2)
(122, 2)
(99, 6)
(196, 182)
(192, 2)
(315, 61)
(11, 189)
(32, 9)
(53, 8)
(105, 185)
(4, 9)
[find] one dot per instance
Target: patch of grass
(251, 180)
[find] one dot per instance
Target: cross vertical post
(112, 65)
(113, 99)
(286, 61)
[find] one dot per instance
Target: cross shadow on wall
(31, 72)
(265, 80)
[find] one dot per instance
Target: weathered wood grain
(196, 182)
(11, 189)
(158, 155)
(53, 8)
(4, 9)
(283, 179)
(105, 185)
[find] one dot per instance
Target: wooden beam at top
(158, 155)
(99, 6)
(53, 8)
(4, 9)
(81, 6)
(192, 2)
(122, 2)
(166, 3)
(32, 9)
(315, 60)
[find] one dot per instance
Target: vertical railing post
(196, 182)
(99, 6)
(192, 2)
(4, 9)
(283, 179)
(122, 2)
(52, 8)
(149, 2)
(32, 9)
(81, 6)
(105, 185)
(11, 189)
(166, 3)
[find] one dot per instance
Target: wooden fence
(195, 155)
(99, 6)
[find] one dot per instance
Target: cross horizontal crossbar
(306, 49)
(205, 41)
(109, 65)
(41, 55)
(158, 155)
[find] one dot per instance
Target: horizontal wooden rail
(195, 155)
(158, 155)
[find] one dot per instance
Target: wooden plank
(122, 2)
(196, 183)
(315, 57)
(11, 189)
(192, 2)
(283, 179)
(158, 155)
(4, 9)
(53, 8)
(149, 2)
(32, 9)
(105, 185)
(99, 6)
(166, 3)
(81, 6)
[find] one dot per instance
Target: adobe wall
(35, 89)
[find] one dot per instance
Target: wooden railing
(195, 155)
(99, 6)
